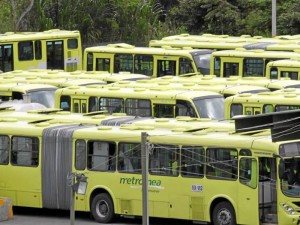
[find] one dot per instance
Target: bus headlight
(288, 209)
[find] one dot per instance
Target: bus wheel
(103, 208)
(223, 214)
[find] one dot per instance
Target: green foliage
(289, 17)
(138, 21)
(5, 17)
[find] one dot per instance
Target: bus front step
(270, 219)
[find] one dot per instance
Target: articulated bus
(29, 93)
(51, 49)
(224, 89)
(245, 63)
(261, 103)
(159, 102)
(153, 62)
(186, 171)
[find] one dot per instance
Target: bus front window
(44, 97)
(290, 171)
(202, 62)
(290, 183)
(212, 107)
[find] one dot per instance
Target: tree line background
(138, 21)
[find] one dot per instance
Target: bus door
(231, 67)
(79, 105)
(166, 65)
(6, 58)
(55, 55)
(267, 190)
(73, 55)
(247, 204)
(252, 110)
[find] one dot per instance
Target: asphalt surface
(32, 216)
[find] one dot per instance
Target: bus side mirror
(281, 169)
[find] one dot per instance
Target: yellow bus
(51, 49)
(29, 93)
(284, 68)
(160, 102)
(153, 62)
(261, 103)
(186, 171)
(245, 63)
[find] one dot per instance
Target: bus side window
(273, 73)
(236, 109)
(143, 64)
(72, 43)
(166, 67)
(25, 151)
(163, 111)
(221, 163)
(93, 104)
(217, 67)
(4, 147)
(129, 158)
(138, 107)
(231, 69)
(65, 103)
(253, 67)
(164, 160)
(103, 64)
(123, 62)
(247, 172)
(89, 62)
(185, 66)
(25, 50)
(184, 108)
(192, 161)
(38, 49)
(101, 156)
(80, 154)
(268, 108)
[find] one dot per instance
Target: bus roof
(125, 48)
(224, 89)
(22, 36)
(293, 63)
(25, 88)
(103, 76)
(153, 93)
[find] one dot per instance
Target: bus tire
(103, 208)
(223, 214)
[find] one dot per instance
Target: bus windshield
(202, 62)
(44, 97)
(290, 182)
(210, 107)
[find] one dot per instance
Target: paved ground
(31, 216)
